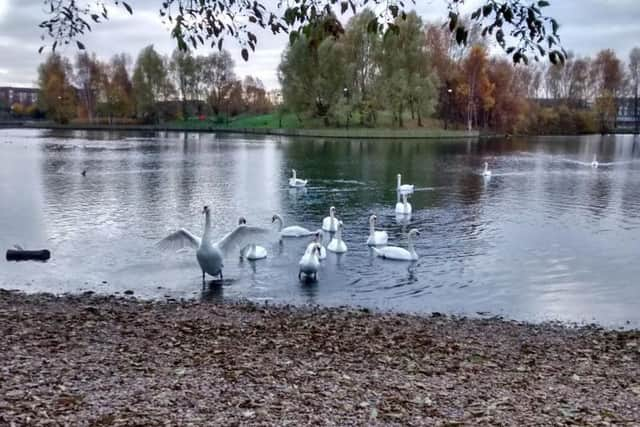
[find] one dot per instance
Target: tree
(217, 75)
(634, 77)
(119, 99)
(187, 75)
(608, 76)
(478, 89)
(150, 83)
(89, 79)
(57, 96)
(520, 27)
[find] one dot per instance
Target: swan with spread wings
(210, 255)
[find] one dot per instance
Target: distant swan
(330, 223)
(310, 262)
(336, 244)
(210, 255)
(292, 230)
(404, 207)
(397, 253)
(403, 188)
(486, 171)
(594, 163)
(253, 251)
(376, 237)
(318, 241)
(296, 182)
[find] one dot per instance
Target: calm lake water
(547, 237)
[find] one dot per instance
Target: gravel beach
(91, 360)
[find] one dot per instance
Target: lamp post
(345, 91)
(58, 108)
(448, 112)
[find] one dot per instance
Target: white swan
(253, 251)
(404, 207)
(330, 223)
(376, 237)
(292, 230)
(318, 241)
(296, 182)
(486, 172)
(210, 255)
(310, 262)
(397, 253)
(594, 163)
(336, 244)
(403, 188)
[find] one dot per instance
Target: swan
(296, 182)
(310, 262)
(336, 244)
(210, 255)
(486, 172)
(376, 237)
(330, 223)
(404, 207)
(292, 230)
(403, 188)
(397, 253)
(318, 241)
(253, 251)
(594, 163)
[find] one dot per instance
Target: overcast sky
(586, 27)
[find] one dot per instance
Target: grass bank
(87, 360)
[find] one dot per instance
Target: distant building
(275, 96)
(17, 95)
(626, 117)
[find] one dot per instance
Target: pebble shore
(102, 361)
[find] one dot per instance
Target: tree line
(157, 88)
(420, 70)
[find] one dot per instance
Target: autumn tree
(118, 88)
(634, 80)
(607, 76)
(89, 79)
(477, 88)
(187, 74)
(57, 96)
(217, 77)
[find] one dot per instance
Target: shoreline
(337, 133)
(89, 359)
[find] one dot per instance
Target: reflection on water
(547, 236)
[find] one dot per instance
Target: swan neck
(372, 228)
(339, 234)
(399, 180)
(280, 222)
(294, 173)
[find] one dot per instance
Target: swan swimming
(210, 255)
(296, 182)
(594, 163)
(318, 241)
(376, 237)
(486, 172)
(403, 188)
(310, 262)
(253, 251)
(336, 244)
(397, 253)
(292, 230)
(404, 207)
(330, 223)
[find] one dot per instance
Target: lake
(548, 237)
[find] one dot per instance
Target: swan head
(486, 165)
(293, 172)
(372, 219)
(340, 225)
(242, 221)
(275, 218)
(332, 210)
(414, 232)
(206, 210)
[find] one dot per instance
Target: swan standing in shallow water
(486, 172)
(403, 188)
(253, 251)
(376, 237)
(318, 241)
(292, 230)
(404, 207)
(295, 181)
(210, 255)
(397, 253)
(330, 223)
(594, 163)
(310, 262)
(336, 244)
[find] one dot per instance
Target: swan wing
(242, 236)
(180, 239)
(393, 252)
